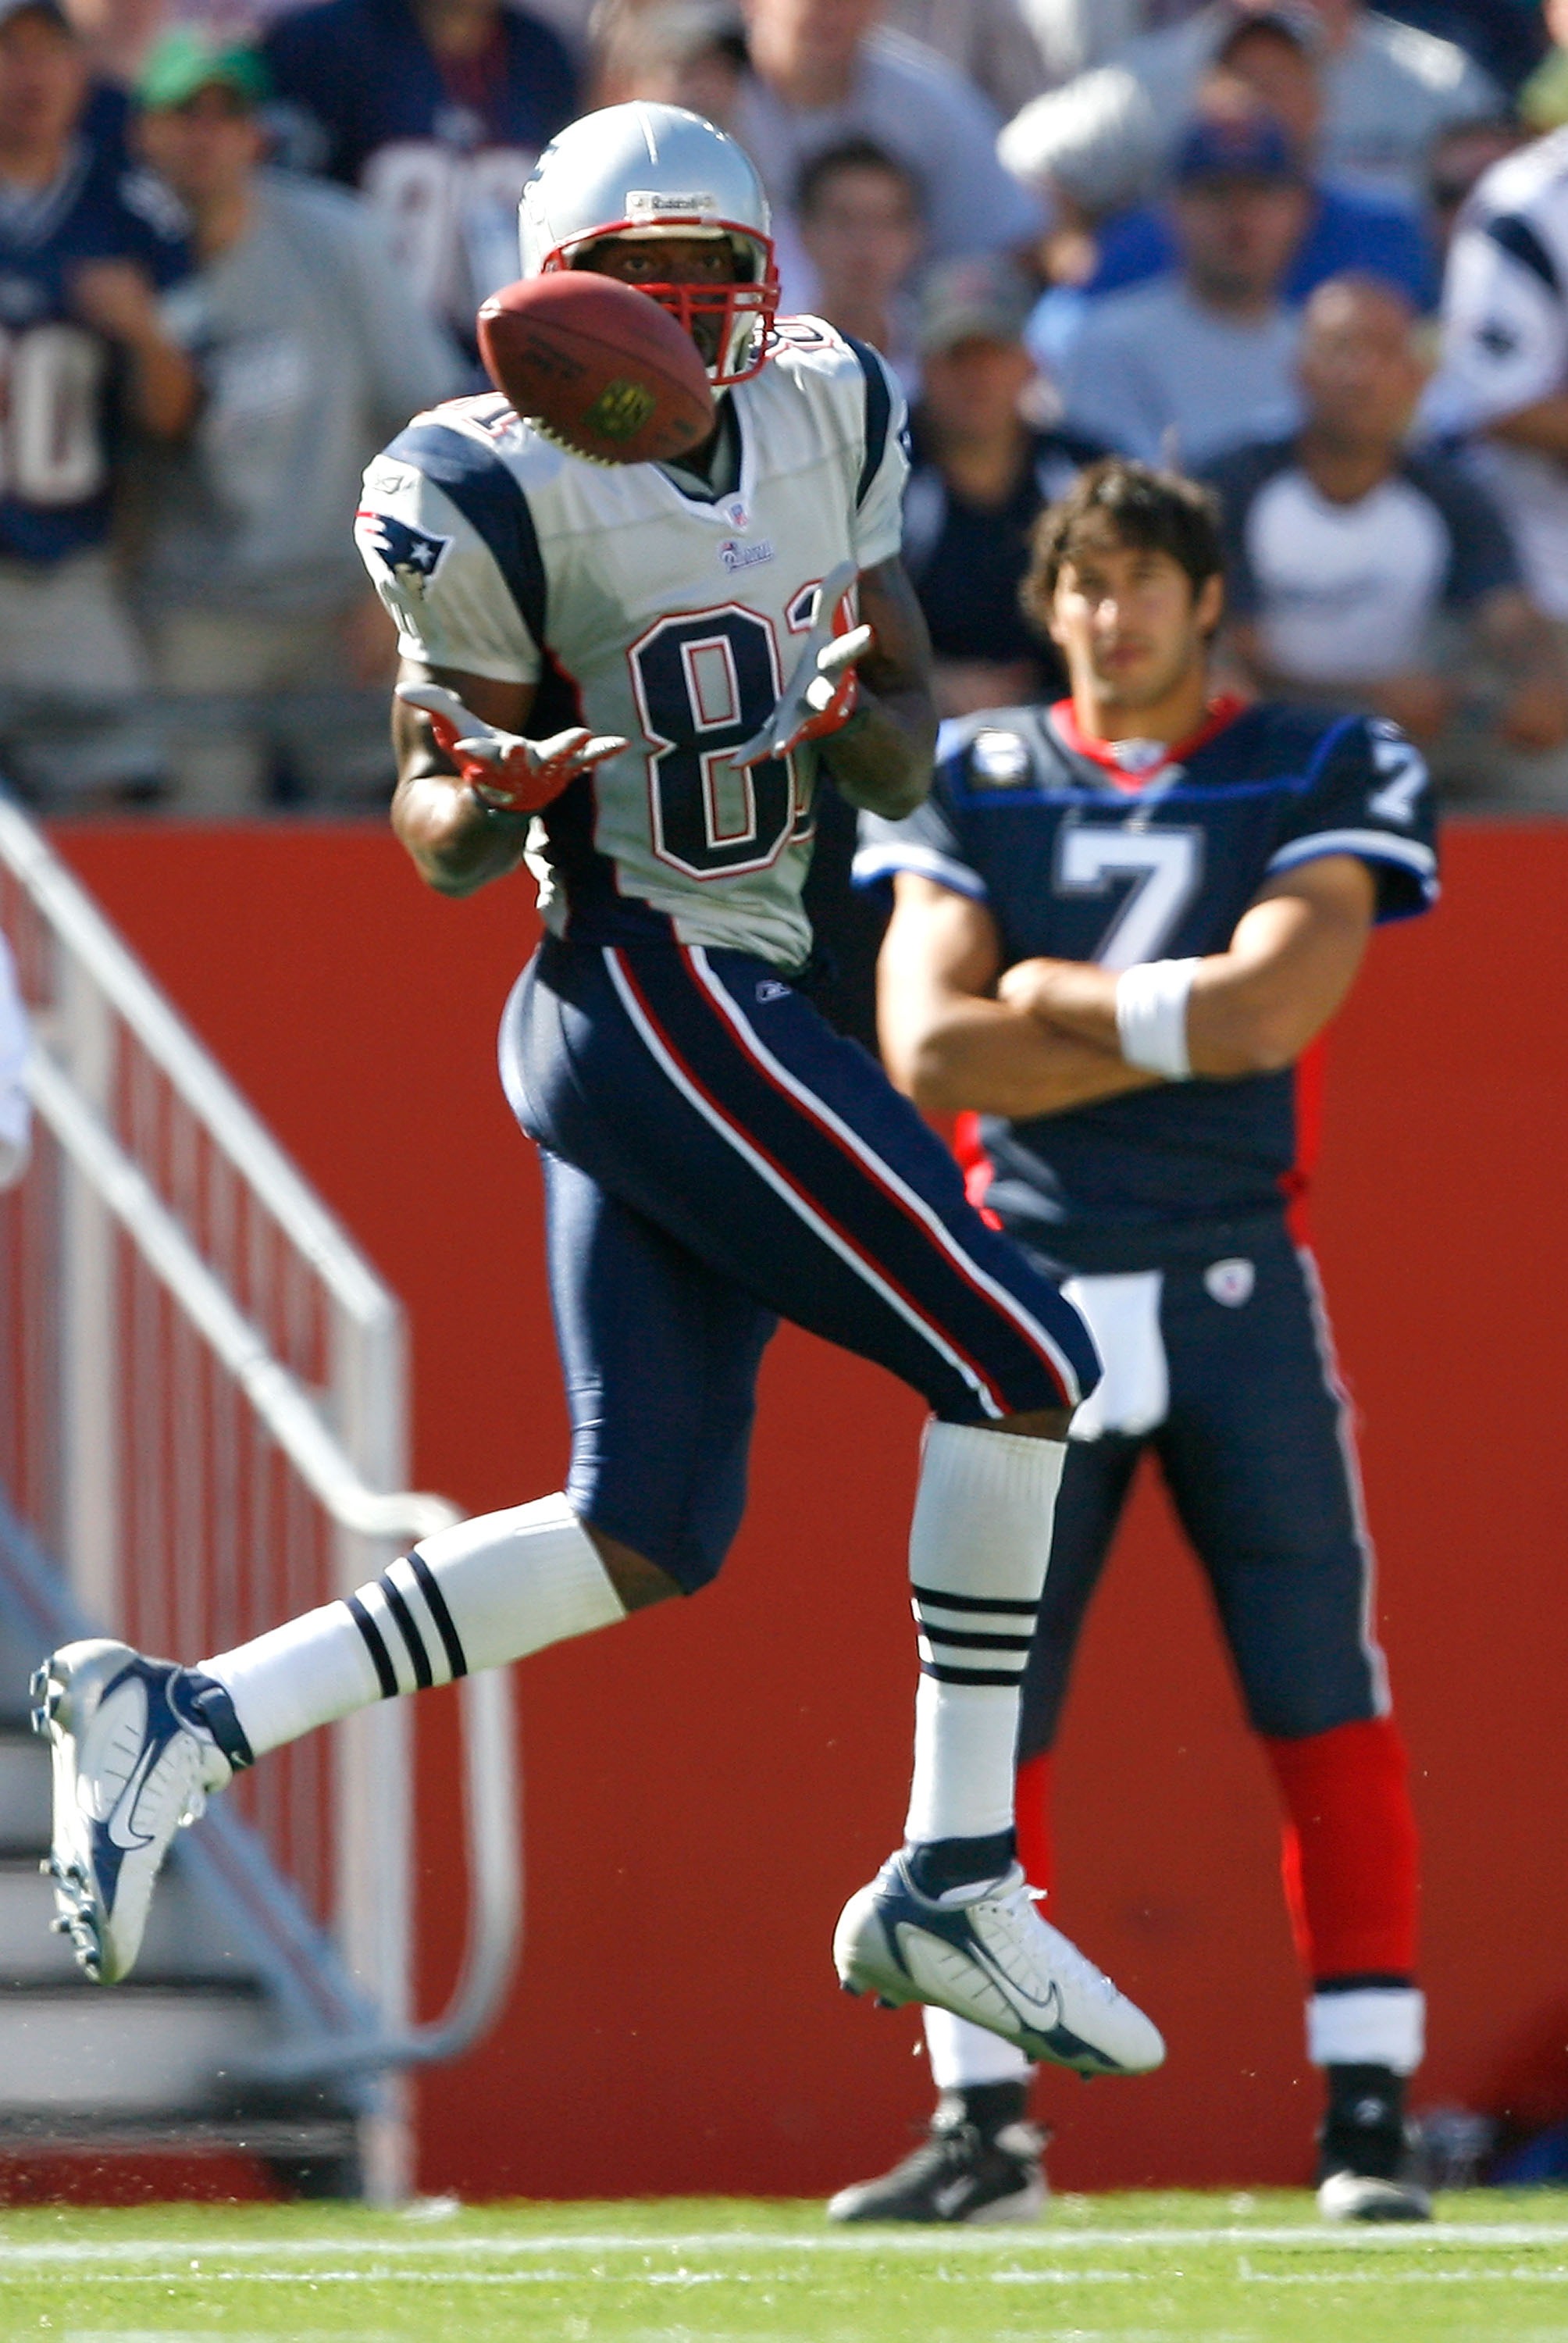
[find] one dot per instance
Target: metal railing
(208, 1427)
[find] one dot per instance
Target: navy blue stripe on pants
(721, 1159)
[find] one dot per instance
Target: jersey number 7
(1167, 866)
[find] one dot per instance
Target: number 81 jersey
(1083, 852)
(639, 607)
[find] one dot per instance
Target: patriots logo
(412, 555)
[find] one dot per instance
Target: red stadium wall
(704, 1787)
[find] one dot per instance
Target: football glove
(821, 695)
(504, 771)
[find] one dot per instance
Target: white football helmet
(660, 172)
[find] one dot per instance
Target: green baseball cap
(186, 61)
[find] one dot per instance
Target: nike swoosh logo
(949, 2197)
(126, 1801)
(1050, 2010)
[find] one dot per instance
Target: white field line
(198, 2253)
(195, 2257)
(682, 2279)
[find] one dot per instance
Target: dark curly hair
(1145, 508)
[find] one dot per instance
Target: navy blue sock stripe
(381, 1659)
(1009, 1679)
(456, 1658)
(424, 1674)
(964, 1641)
(1020, 1605)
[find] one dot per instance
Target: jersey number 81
(705, 682)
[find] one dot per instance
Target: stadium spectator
(857, 213)
(1091, 150)
(690, 53)
(1389, 89)
(438, 109)
(1504, 370)
(1460, 158)
(310, 354)
(1273, 60)
(1361, 572)
(85, 247)
(981, 475)
(989, 41)
(826, 70)
(1178, 369)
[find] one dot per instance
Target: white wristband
(1151, 1016)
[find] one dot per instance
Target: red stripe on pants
(1351, 1851)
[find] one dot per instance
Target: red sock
(1350, 1850)
(1036, 1848)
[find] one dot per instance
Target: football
(598, 366)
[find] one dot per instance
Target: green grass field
(1115, 2269)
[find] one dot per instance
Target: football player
(1121, 923)
(88, 244)
(629, 676)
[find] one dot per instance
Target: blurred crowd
(1312, 252)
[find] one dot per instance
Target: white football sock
(491, 1590)
(962, 2055)
(979, 1546)
(1375, 2026)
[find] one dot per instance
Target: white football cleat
(131, 1764)
(993, 1960)
(1368, 2196)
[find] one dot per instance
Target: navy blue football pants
(1256, 1451)
(717, 1158)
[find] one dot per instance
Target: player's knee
(1296, 1708)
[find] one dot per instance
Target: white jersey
(1505, 345)
(638, 608)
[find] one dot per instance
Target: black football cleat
(1366, 2165)
(979, 2163)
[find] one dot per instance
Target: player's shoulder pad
(486, 463)
(849, 376)
(996, 750)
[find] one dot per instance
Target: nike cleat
(993, 1960)
(130, 1765)
(968, 2171)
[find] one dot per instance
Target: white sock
(962, 2055)
(1375, 2026)
(491, 1590)
(979, 1546)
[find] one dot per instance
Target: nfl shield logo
(1231, 1282)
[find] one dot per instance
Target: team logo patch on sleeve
(412, 555)
(999, 760)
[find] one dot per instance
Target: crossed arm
(959, 1032)
(880, 759)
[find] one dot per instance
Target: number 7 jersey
(1082, 853)
(638, 607)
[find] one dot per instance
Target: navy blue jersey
(63, 379)
(1078, 859)
(442, 150)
